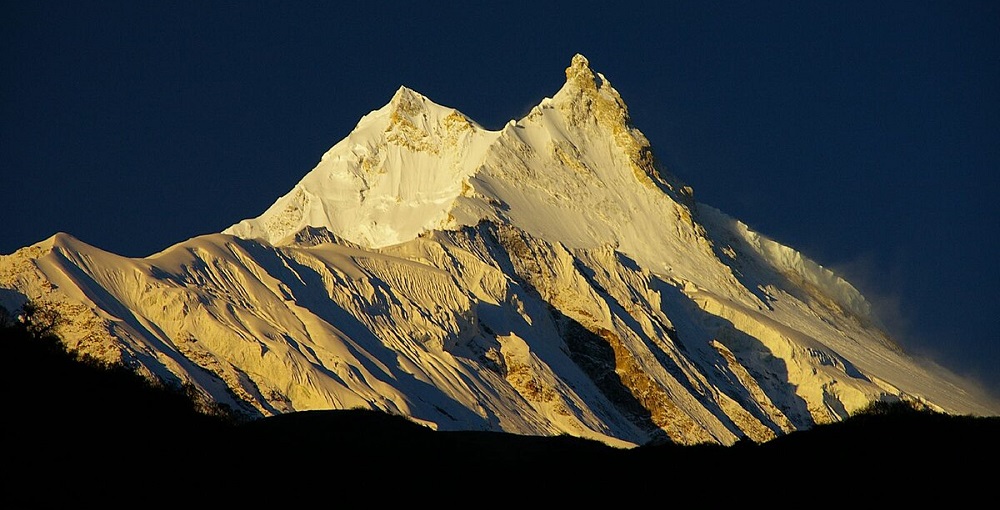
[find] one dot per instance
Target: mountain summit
(395, 176)
(546, 278)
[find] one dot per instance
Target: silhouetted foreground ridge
(91, 431)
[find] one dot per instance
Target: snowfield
(547, 278)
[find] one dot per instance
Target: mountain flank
(547, 279)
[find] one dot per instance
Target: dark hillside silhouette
(88, 431)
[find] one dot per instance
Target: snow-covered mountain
(547, 278)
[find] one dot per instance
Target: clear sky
(864, 134)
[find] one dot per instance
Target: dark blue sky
(864, 134)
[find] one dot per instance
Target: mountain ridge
(546, 278)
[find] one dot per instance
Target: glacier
(546, 278)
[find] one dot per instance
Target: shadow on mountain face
(600, 353)
(596, 357)
(697, 327)
(307, 287)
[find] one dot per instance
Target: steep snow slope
(545, 278)
(395, 176)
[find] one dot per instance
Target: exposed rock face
(547, 278)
